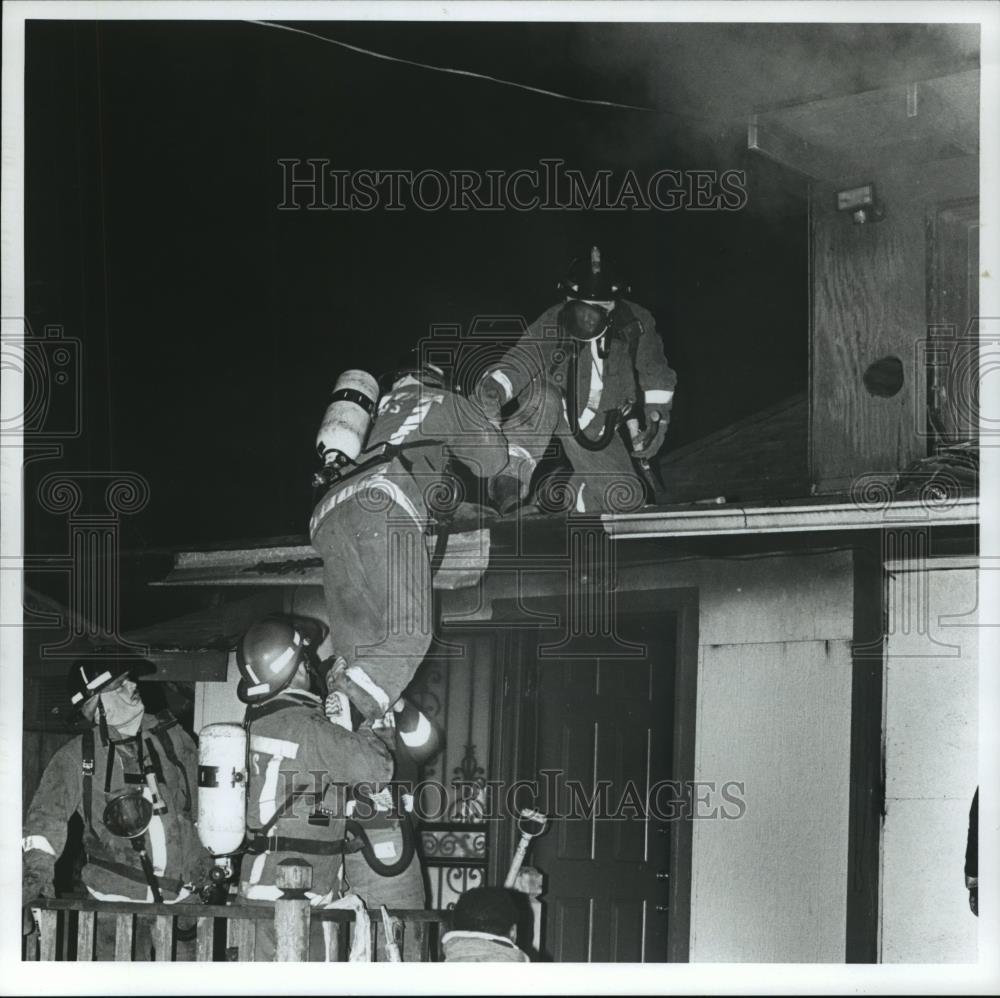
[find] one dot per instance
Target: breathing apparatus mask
(584, 321)
(121, 706)
(128, 816)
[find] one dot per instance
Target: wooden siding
(869, 301)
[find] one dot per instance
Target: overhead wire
(471, 74)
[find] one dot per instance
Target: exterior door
(604, 727)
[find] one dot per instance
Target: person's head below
(490, 910)
(277, 654)
(106, 694)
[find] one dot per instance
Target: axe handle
(391, 946)
(517, 861)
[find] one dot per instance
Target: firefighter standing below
(370, 528)
(412, 739)
(139, 767)
(613, 348)
(300, 767)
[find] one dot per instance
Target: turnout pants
(377, 583)
(603, 481)
(404, 892)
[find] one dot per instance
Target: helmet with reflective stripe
(88, 677)
(270, 653)
(592, 278)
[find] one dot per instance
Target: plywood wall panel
(869, 300)
(925, 907)
(798, 597)
(931, 764)
(931, 728)
(770, 886)
(868, 303)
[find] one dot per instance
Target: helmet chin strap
(305, 676)
(317, 681)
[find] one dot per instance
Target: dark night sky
(214, 325)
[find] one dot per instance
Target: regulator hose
(573, 410)
(357, 829)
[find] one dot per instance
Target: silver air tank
(348, 418)
(222, 788)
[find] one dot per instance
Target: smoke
(705, 78)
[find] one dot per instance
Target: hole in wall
(884, 377)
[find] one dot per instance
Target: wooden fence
(67, 928)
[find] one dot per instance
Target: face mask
(122, 706)
(583, 320)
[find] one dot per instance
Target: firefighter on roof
(590, 372)
(132, 778)
(385, 490)
(301, 768)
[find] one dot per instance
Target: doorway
(606, 743)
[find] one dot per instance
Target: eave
(295, 565)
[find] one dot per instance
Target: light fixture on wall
(861, 203)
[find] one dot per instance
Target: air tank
(222, 787)
(348, 418)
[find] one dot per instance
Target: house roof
(194, 645)
(763, 456)
(750, 477)
(301, 565)
(191, 647)
(820, 514)
(216, 628)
